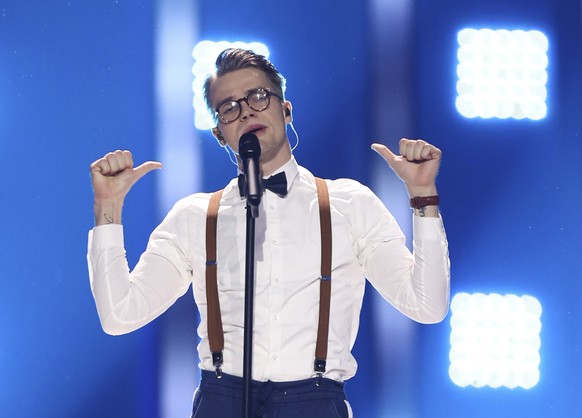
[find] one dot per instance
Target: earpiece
(218, 135)
(287, 112)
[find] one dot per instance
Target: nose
(246, 111)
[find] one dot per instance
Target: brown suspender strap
(325, 280)
(215, 332)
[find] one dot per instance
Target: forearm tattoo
(108, 218)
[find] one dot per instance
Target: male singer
(247, 95)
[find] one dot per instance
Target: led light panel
(502, 74)
(495, 340)
(204, 54)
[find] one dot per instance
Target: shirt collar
(291, 169)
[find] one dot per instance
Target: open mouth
(255, 130)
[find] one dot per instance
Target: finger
(145, 168)
(384, 152)
(125, 158)
(97, 166)
(402, 146)
(407, 148)
(394, 161)
(118, 161)
(435, 153)
(429, 152)
(418, 149)
(112, 163)
(101, 166)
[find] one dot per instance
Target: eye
(258, 96)
(228, 108)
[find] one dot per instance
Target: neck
(278, 160)
(268, 165)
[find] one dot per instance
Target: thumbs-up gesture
(417, 165)
(112, 176)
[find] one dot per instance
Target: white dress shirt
(367, 243)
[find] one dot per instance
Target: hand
(112, 177)
(417, 165)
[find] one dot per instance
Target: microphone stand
(252, 214)
(250, 151)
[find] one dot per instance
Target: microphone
(249, 151)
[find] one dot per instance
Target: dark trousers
(223, 398)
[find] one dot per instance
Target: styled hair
(233, 59)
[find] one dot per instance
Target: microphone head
(248, 146)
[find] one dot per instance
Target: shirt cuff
(105, 236)
(428, 228)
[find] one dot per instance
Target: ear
(288, 112)
(218, 135)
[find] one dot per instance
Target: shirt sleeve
(126, 300)
(416, 283)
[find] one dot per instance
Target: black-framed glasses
(258, 100)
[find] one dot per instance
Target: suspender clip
(319, 367)
(217, 363)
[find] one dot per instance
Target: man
(247, 95)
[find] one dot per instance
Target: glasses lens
(258, 100)
(229, 111)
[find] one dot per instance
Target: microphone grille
(248, 146)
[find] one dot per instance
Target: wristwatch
(419, 202)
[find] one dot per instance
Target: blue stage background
(79, 79)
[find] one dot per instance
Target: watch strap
(419, 202)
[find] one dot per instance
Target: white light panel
(502, 74)
(495, 340)
(205, 54)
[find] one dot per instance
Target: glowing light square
(495, 340)
(502, 74)
(205, 54)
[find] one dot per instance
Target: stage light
(502, 74)
(204, 54)
(495, 340)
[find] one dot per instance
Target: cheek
(229, 138)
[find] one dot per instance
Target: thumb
(388, 155)
(145, 168)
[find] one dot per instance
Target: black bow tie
(277, 184)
